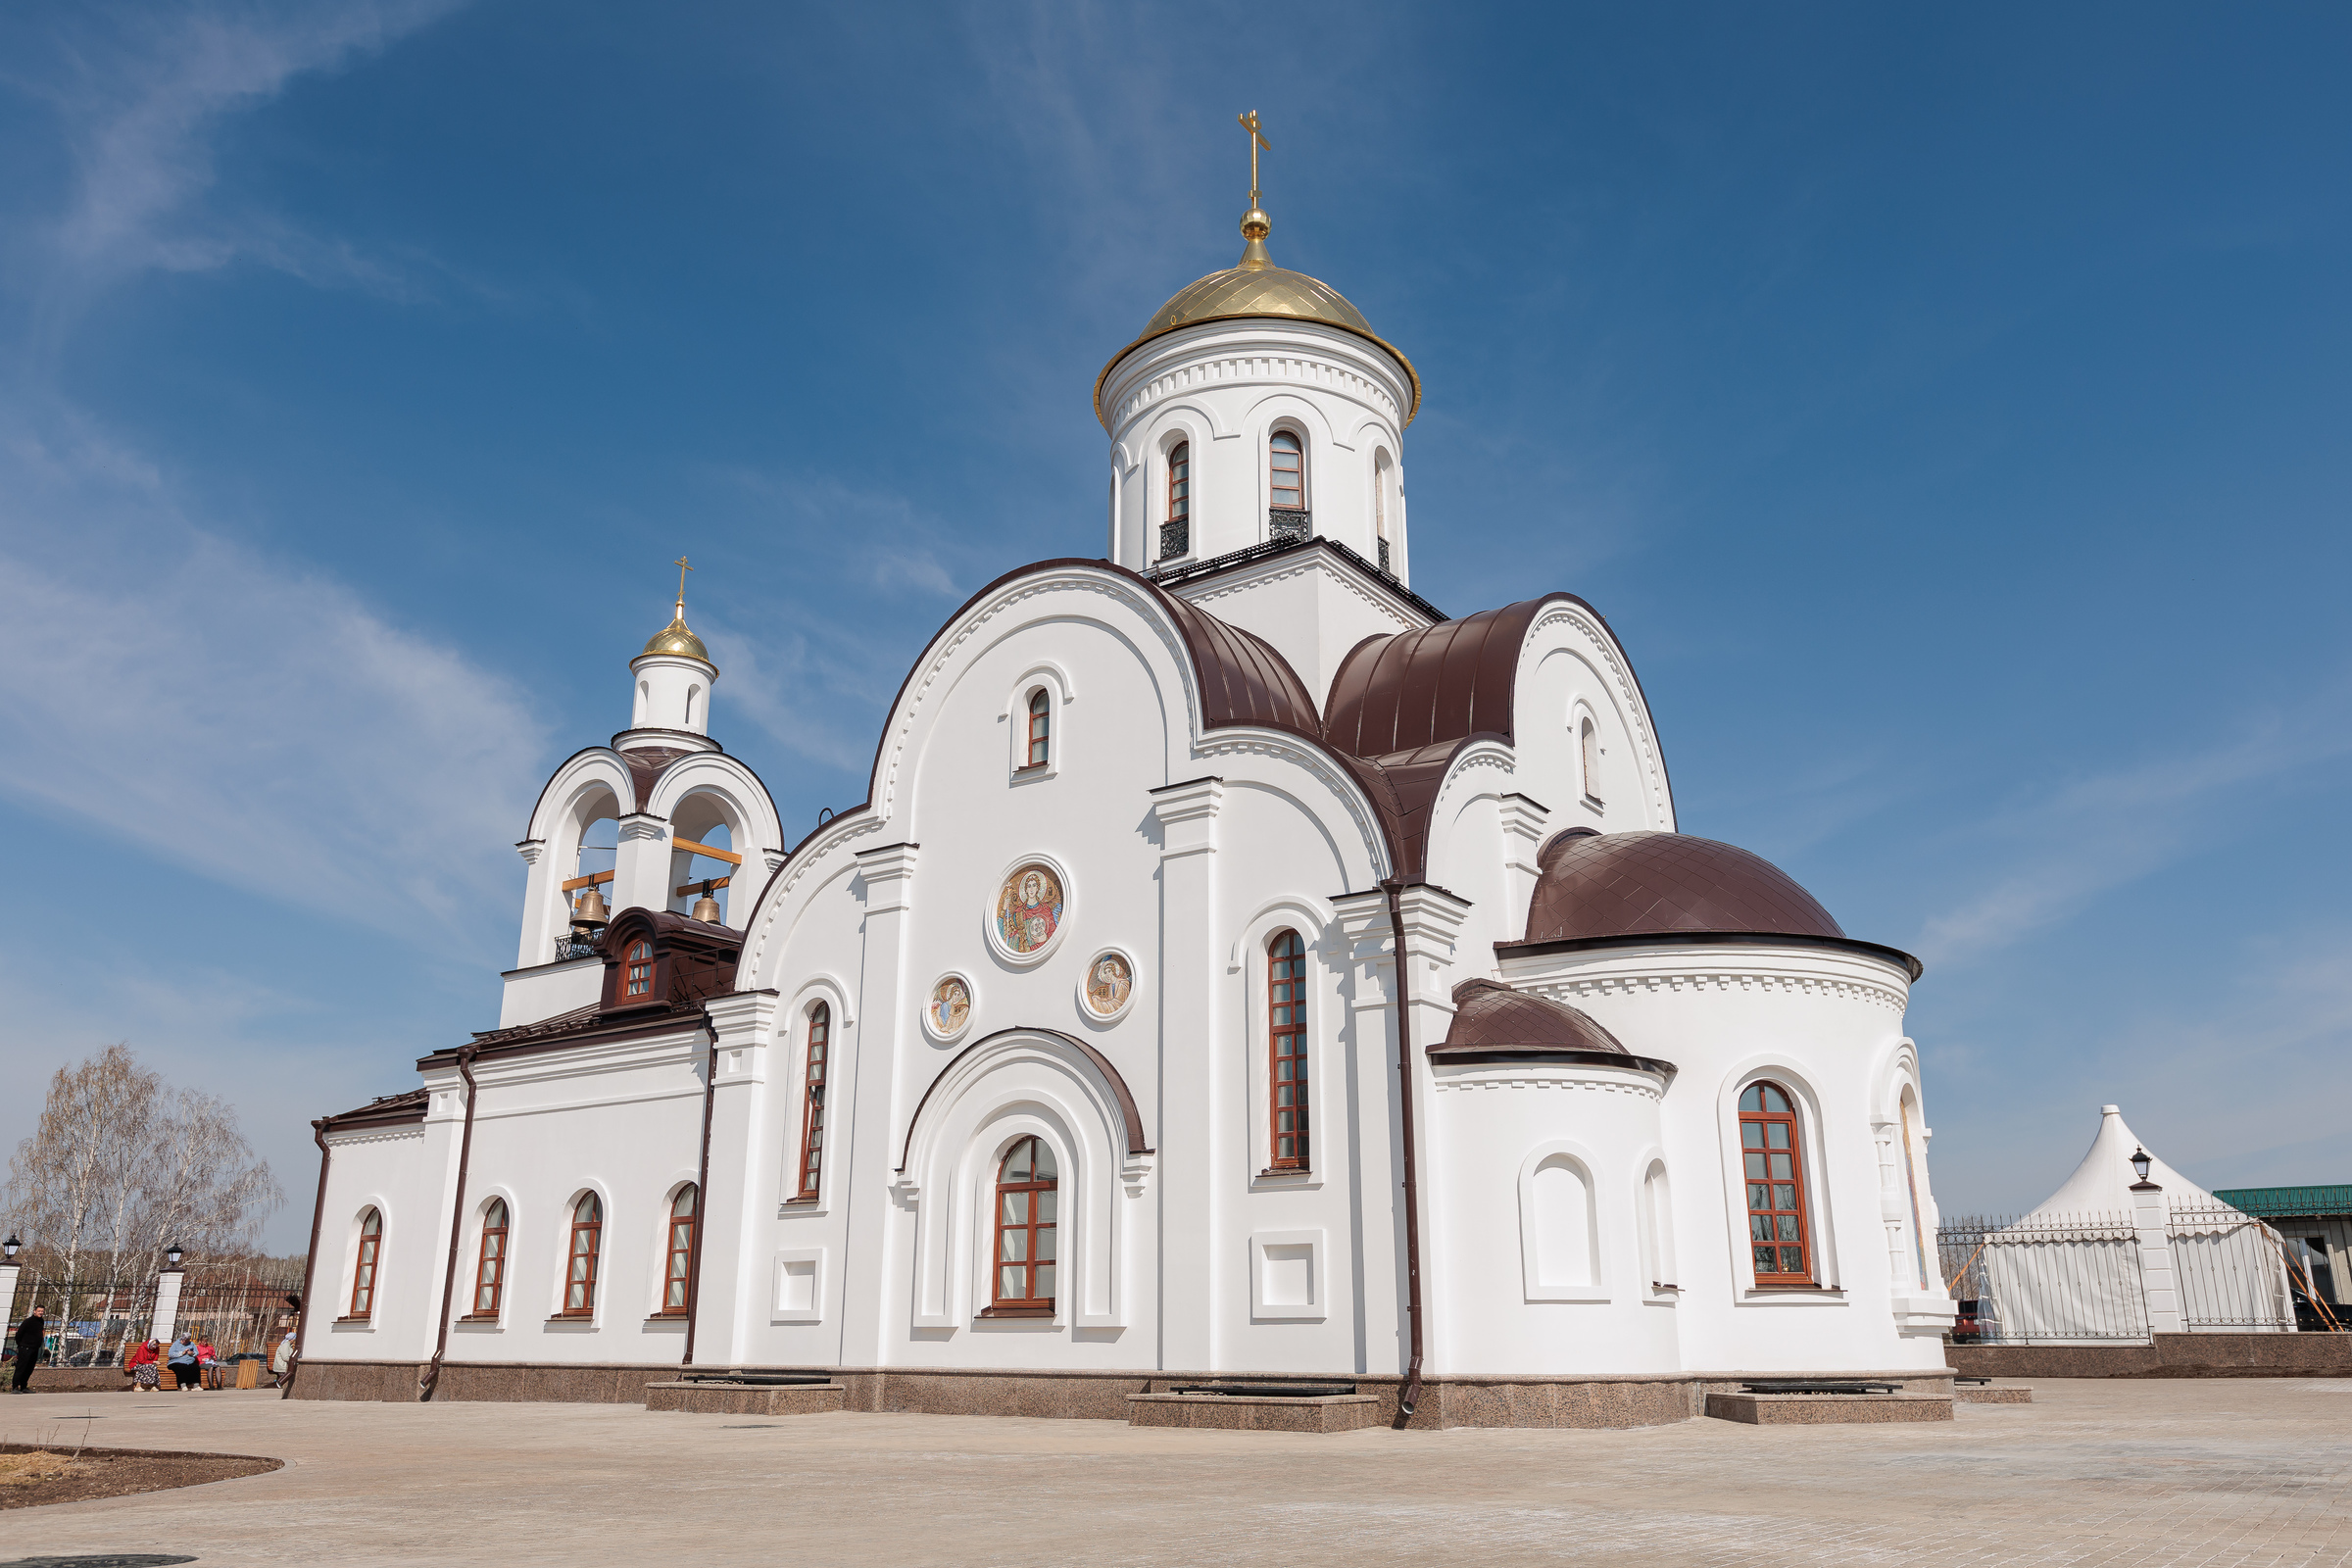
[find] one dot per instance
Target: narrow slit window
(490, 1264)
(813, 1101)
(1180, 482)
(1286, 1048)
(1041, 727)
(678, 1278)
(1588, 751)
(587, 1235)
(363, 1274)
(1769, 1148)
(1027, 1227)
(1286, 473)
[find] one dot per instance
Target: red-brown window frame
(490, 1267)
(1032, 1227)
(1285, 1051)
(1766, 1189)
(677, 1276)
(637, 970)
(363, 1271)
(819, 1049)
(1041, 727)
(1180, 481)
(1297, 451)
(580, 1282)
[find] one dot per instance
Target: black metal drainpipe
(431, 1377)
(1412, 1186)
(310, 1265)
(702, 1206)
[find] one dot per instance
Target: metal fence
(2232, 1272)
(2041, 1279)
(236, 1312)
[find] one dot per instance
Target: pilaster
(741, 1181)
(641, 865)
(1432, 920)
(1187, 1134)
(539, 897)
(1523, 820)
(868, 1105)
(1369, 982)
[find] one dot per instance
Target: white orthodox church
(1237, 967)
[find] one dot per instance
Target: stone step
(1228, 1412)
(1828, 1409)
(710, 1397)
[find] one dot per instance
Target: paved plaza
(2140, 1474)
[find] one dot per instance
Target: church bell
(589, 913)
(706, 908)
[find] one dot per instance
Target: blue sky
(1950, 413)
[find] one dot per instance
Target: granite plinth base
(1227, 1412)
(744, 1399)
(2013, 1393)
(1828, 1409)
(2167, 1355)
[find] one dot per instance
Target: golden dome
(1256, 286)
(675, 638)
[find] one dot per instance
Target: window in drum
(1041, 727)
(1588, 755)
(640, 978)
(587, 1231)
(813, 1103)
(1180, 482)
(490, 1266)
(678, 1276)
(1776, 1187)
(363, 1275)
(1026, 1228)
(1286, 1048)
(1286, 472)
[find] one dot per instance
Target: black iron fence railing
(1286, 525)
(1175, 537)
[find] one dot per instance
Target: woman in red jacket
(145, 1368)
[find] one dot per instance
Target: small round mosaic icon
(950, 1007)
(1029, 908)
(1109, 982)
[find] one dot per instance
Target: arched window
(1025, 1228)
(587, 1232)
(1588, 752)
(678, 1276)
(1657, 1229)
(692, 692)
(1382, 470)
(1180, 482)
(1041, 727)
(640, 979)
(813, 1103)
(1286, 1048)
(363, 1275)
(490, 1267)
(1769, 1146)
(1286, 472)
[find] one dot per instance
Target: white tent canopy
(2074, 1270)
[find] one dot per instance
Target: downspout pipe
(1411, 1395)
(310, 1265)
(702, 1206)
(430, 1378)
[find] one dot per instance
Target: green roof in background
(2287, 1200)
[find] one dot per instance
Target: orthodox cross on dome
(1255, 224)
(683, 569)
(1257, 139)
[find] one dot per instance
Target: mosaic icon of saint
(1108, 985)
(1028, 908)
(951, 1005)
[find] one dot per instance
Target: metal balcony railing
(1286, 525)
(573, 945)
(1175, 537)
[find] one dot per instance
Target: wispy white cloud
(2047, 856)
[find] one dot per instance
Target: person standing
(32, 1337)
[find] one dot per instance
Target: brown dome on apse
(1489, 1015)
(1628, 883)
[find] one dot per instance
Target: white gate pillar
(2159, 1280)
(166, 1304)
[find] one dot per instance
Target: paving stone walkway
(2142, 1474)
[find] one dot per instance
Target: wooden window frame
(1286, 1148)
(677, 1274)
(1761, 1181)
(577, 1281)
(1180, 482)
(365, 1267)
(1274, 487)
(637, 970)
(489, 1268)
(1041, 729)
(1032, 1304)
(817, 1053)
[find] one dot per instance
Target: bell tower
(671, 706)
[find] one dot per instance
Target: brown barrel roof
(1489, 1015)
(1625, 884)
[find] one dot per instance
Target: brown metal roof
(1489, 1014)
(1624, 884)
(385, 1110)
